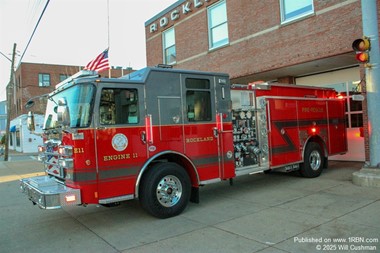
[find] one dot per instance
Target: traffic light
(362, 47)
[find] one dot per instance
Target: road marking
(10, 178)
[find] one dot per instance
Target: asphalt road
(259, 213)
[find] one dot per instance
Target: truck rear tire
(313, 161)
(165, 190)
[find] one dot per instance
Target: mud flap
(194, 197)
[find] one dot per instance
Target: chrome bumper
(47, 193)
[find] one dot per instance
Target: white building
(20, 139)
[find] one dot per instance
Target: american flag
(99, 63)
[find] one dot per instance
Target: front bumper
(47, 193)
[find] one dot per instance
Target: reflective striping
(118, 173)
(121, 173)
(202, 161)
(103, 175)
(290, 146)
(82, 176)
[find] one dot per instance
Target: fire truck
(158, 134)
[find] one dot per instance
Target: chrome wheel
(165, 190)
(169, 191)
(315, 160)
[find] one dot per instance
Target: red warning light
(362, 57)
(362, 47)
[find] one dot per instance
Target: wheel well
(173, 157)
(317, 139)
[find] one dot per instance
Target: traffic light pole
(370, 29)
(369, 175)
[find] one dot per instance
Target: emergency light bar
(81, 73)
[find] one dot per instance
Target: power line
(34, 30)
(6, 56)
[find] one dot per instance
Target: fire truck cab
(158, 134)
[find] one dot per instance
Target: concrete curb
(369, 177)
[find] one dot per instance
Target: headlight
(65, 150)
(41, 148)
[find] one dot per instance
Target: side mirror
(63, 114)
(30, 122)
(29, 104)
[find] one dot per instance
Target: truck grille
(48, 154)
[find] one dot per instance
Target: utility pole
(371, 30)
(10, 84)
(369, 175)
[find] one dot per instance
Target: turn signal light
(65, 150)
(70, 198)
(41, 149)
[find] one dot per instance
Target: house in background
(21, 139)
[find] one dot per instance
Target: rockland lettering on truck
(158, 134)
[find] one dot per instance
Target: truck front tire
(165, 190)
(313, 161)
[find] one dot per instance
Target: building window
(291, 10)
(217, 25)
(198, 99)
(43, 80)
(63, 77)
(168, 42)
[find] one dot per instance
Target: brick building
(33, 80)
(306, 42)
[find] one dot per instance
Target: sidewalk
(12, 152)
(17, 156)
(260, 213)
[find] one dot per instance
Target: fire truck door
(120, 150)
(170, 122)
(201, 144)
(224, 127)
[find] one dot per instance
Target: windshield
(79, 100)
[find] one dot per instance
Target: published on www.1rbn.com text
(341, 244)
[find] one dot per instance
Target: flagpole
(108, 17)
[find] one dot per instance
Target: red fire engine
(159, 134)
